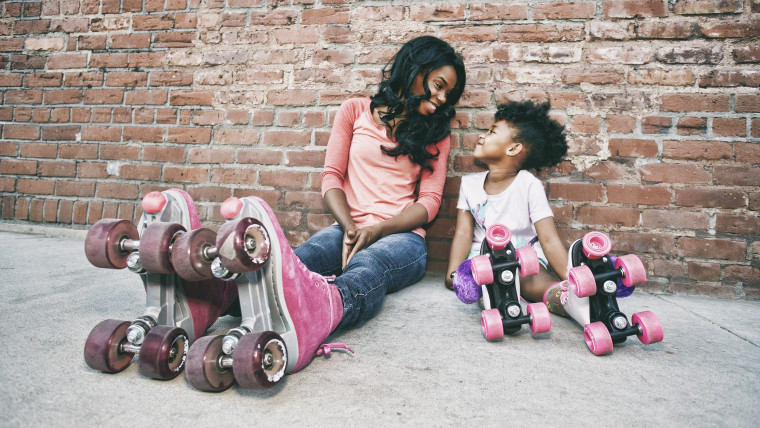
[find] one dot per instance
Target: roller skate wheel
(581, 281)
(482, 272)
(190, 254)
(260, 360)
(243, 245)
(598, 338)
(153, 202)
(490, 321)
(649, 325)
(528, 261)
(203, 370)
(596, 245)
(163, 352)
(155, 246)
(102, 246)
(634, 271)
(498, 236)
(231, 207)
(102, 350)
(540, 320)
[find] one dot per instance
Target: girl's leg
(390, 264)
(533, 288)
(322, 252)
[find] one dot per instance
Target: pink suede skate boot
(287, 311)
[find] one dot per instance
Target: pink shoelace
(327, 348)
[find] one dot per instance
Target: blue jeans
(390, 264)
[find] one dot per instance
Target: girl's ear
(514, 149)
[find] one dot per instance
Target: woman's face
(440, 82)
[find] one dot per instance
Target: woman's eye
(438, 86)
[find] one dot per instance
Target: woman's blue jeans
(390, 264)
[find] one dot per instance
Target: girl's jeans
(388, 265)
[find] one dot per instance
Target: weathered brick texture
(103, 101)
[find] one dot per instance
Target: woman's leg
(322, 252)
(388, 265)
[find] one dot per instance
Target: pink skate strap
(326, 348)
(195, 222)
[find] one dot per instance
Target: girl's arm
(461, 244)
(555, 251)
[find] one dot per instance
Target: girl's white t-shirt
(518, 207)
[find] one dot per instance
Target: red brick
(585, 192)
(669, 269)
(712, 248)
(163, 154)
(305, 158)
(109, 190)
(140, 172)
(675, 219)
(627, 217)
(41, 150)
(236, 136)
(747, 54)
(736, 175)
(742, 273)
(610, 170)
(192, 135)
(286, 138)
(213, 155)
(50, 211)
(704, 271)
(283, 179)
(642, 243)
(596, 76)
(35, 187)
(81, 189)
(209, 194)
(630, 147)
(620, 124)
(730, 28)
(696, 150)
(674, 173)
(92, 170)
(437, 12)
(665, 30)
(182, 97)
(748, 152)
(727, 127)
(66, 61)
(151, 134)
(18, 167)
(57, 169)
(698, 102)
(30, 96)
(656, 124)
(239, 176)
(325, 16)
(706, 7)
(585, 124)
(748, 103)
(21, 132)
(78, 151)
(730, 78)
(60, 132)
(692, 126)
(741, 224)
(184, 174)
(638, 195)
(635, 8)
(119, 152)
(571, 10)
(656, 76)
(469, 33)
(539, 33)
(22, 208)
(709, 198)
(291, 97)
(103, 96)
(259, 156)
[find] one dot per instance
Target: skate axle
(128, 348)
(619, 336)
(129, 245)
(514, 324)
(210, 253)
(604, 276)
(224, 362)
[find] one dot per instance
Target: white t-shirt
(518, 207)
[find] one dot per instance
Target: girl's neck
(497, 180)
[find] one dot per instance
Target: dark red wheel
(163, 352)
(154, 246)
(103, 243)
(259, 360)
(243, 245)
(204, 370)
(188, 255)
(102, 350)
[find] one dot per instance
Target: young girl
(522, 137)
(383, 179)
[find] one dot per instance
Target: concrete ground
(422, 361)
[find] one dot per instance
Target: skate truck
(595, 279)
(494, 275)
(176, 311)
(255, 353)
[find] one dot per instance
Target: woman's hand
(358, 239)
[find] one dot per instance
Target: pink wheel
(596, 245)
(581, 281)
(540, 320)
(243, 245)
(490, 320)
(102, 350)
(189, 255)
(204, 371)
(528, 261)
(163, 352)
(634, 271)
(482, 272)
(498, 236)
(154, 246)
(153, 202)
(259, 360)
(102, 246)
(649, 325)
(598, 338)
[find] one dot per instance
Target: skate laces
(565, 291)
(327, 348)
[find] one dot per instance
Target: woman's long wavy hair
(412, 131)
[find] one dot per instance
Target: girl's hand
(358, 240)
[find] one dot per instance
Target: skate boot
(592, 294)
(287, 311)
(176, 311)
(493, 277)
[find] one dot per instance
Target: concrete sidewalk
(422, 361)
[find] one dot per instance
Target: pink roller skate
(176, 311)
(591, 299)
(287, 311)
(494, 277)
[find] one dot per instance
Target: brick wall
(104, 101)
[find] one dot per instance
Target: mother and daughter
(383, 180)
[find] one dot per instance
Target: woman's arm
(461, 244)
(555, 251)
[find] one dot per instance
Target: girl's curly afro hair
(543, 137)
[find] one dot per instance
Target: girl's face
(440, 82)
(496, 143)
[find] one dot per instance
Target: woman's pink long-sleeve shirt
(378, 186)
